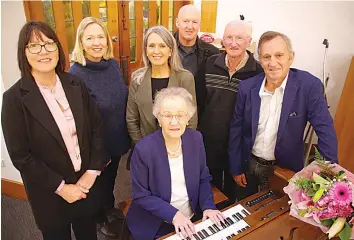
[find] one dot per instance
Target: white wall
(307, 23)
(12, 20)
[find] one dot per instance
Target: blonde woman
(95, 65)
(162, 69)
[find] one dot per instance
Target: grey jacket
(140, 120)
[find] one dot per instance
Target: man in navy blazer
(271, 114)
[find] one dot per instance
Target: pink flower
(340, 193)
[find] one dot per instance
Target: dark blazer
(140, 120)
(303, 101)
(151, 179)
(38, 151)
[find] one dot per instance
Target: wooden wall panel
(164, 13)
(112, 25)
(13, 189)
(176, 6)
(58, 10)
(152, 13)
(33, 10)
(343, 122)
(209, 11)
(77, 13)
(95, 9)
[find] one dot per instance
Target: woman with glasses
(53, 133)
(162, 69)
(96, 66)
(171, 182)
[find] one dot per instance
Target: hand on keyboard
(183, 225)
(214, 215)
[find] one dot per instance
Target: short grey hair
(173, 92)
(174, 61)
(240, 23)
(270, 35)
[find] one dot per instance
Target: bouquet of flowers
(322, 194)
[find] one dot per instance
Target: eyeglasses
(180, 117)
(237, 39)
(36, 48)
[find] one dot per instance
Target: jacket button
(135, 98)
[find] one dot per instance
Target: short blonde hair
(173, 92)
(78, 52)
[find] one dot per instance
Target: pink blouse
(59, 107)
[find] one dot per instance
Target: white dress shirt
(179, 194)
(268, 123)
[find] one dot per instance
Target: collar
(56, 86)
(264, 92)
(241, 64)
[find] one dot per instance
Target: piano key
(239, 215)
(205, 233)
(201, 235)
(245, 212)
(196, 237)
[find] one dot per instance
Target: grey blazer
(140, 120)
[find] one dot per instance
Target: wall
(307, 23)
(12, 19)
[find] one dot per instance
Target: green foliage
(327, 222)
(345, 233)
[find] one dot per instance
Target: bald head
(188, 24)
(190, 11)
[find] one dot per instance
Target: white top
(179, 194)
(268, 123)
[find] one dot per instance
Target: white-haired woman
(171, 182)
(96, 66)
(162, 69)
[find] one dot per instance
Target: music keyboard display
(234, 224)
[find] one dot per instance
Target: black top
(157, 84)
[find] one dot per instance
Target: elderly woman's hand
(183, 225)
(214, 215)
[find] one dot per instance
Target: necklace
(174, 153)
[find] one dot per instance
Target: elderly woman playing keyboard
(171, 182)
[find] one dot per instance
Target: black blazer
(38, 151)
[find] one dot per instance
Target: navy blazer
(303, 101)
(151, 180)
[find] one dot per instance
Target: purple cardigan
(151, 180)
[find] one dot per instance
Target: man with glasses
(221, 75)
(192, 50)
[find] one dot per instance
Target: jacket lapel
(189, 163)
(144, 98)
(73, 94)
(166, 190)
(36, 105)
(256, 105)
(288, 99)
(173, 80)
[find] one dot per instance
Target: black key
(233, 235)
(227, 223)
(196, 237)
(236, 218)
(247, 227)
(212, 229)
(188, 238)
(245, 212)
(223, 225)
(239, 231)
(205, 233)
(216, 227)
(201, 235)
(230, 220)
(243, 229)
(239, 215)
(228, 237)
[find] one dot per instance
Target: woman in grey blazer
(162, 69)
